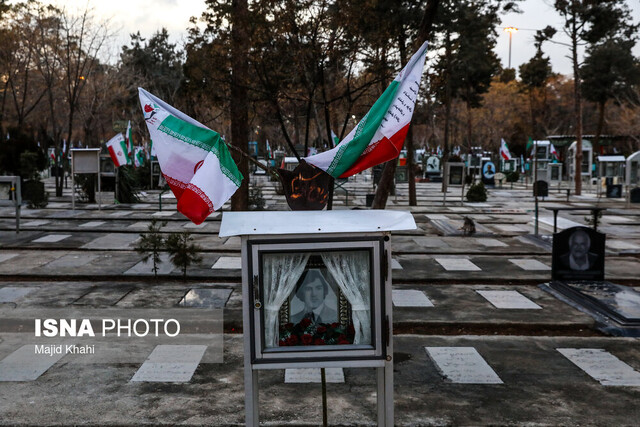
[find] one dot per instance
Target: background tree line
(295, 71)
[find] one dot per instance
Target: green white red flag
(504, 150)
(118, 150)
(139, 157)
(127, 137)
(380, 135)
(193, 159)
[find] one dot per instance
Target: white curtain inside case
(281, 272)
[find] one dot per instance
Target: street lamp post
(510, 30)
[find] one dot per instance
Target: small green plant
(182, 251)
(256, 200)
(477, 193)
(87, 184)
(152, 243)
(32, 187)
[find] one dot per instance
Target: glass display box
(317, 293)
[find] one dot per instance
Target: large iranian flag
(194, 160)
(380, 134)
(118, 150)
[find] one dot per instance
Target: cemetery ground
(478, 340)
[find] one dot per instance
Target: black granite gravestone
(634, 195)
(578, 254)
(541, 189)
(614, 191)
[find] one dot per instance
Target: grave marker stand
(11, 195)
(85, 161)
(285, 253)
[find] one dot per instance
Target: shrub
(126, 185)
(151, 244)
(182, 251)
(477, 193)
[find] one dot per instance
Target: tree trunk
(596, 140)
(239, 106)
(577, 107)
(447, 105)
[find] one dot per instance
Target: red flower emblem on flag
(148, 108)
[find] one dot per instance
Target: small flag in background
(334, 139)
(521, 163)
(379, 136)
(269, 154)
(553, 152)
(139, 157)
(118, 150)
(127, 137)
(504, 150)
(194, 160)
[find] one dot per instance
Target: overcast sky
(148, 16)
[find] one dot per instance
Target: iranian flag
(380, 134)
(504, 150)
(127, 137)
(139, 156)
(194, 160)
(118, 150)
(553, 151)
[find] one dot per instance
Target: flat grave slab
(430, 242)
(64, 214)
(562, 222)
(232, 241)
(410, 298)
(25, 365)
(14, 293)
(139, 225)
(92, 224)
(530, 264)
(163, 213)
(313, 375)
(51, 238)
(621, 244)
(462, 365)
(602, 366)
(436, 216)
(141, 206)
(119, 214)
(490, 243)
(112, 241)
(68, 261)
(146, 267)
(509, 300)
(206, 298)
(510, 228)
(226, 262)
(459, 209)
(457, 264)
(35, 223)
(191, 225)
(170, 363)
(7, 257)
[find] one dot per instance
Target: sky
(148, 16)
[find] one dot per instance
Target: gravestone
(634, 195)
(540, 189)
(578, 254)
(488, 174)
(614, 191)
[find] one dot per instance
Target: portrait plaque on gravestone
(456, 173)
(634, 195)
(614, 191)
(578, 254)
(540, 189)
(488, 173)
